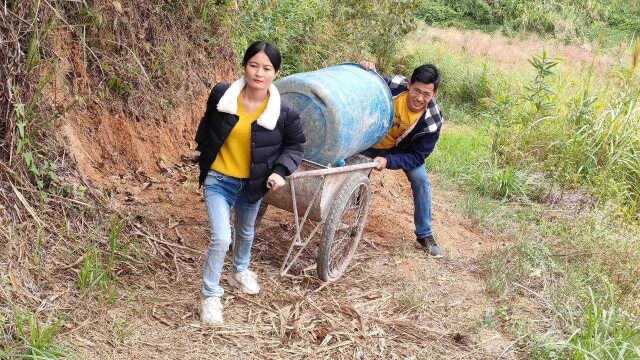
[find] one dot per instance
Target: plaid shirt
(433, 116)
(418, 142)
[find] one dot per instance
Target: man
(415, 131)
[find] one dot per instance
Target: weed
(208, 9)
(489, 319)
(526, 261)
(476, 207)
(93, 273)
(115, 231)
(119, 87)
(121, 330)
(37, 339)
(411, 299)
(546, 347)
(540, 93)
(43, 172)
(92, 17)
(607, 332)
(499, 183)
(33, 51)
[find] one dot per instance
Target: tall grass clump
(582, 130)
(93, 273)
(606, 331)
(34, 339)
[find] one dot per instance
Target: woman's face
(259, 72)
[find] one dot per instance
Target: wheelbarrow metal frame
(311, 193)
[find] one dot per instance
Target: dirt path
(394, 302)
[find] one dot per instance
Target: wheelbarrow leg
(297, 239)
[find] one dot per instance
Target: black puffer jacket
(276, 137)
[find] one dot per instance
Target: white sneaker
(246, 281)
(211, 313)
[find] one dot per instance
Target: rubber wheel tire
(353, 195)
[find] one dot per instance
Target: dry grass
(512, 54)
(145, 303)
(383, 308)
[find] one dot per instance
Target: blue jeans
(223, 193)
(421, 189)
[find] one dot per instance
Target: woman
(248, 142)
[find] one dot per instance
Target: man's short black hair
(427, 74)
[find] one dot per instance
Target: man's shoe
(211, 312)
(246, 281)
(429, 243)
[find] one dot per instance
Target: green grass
(35, 340)
(93, 274)
(114, 234)
(546, 122)
(97, 273)
(512, 145)
(456, 140)
(606, 332)
(548, 257)
(604, 21)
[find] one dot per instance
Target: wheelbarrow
(335, 202)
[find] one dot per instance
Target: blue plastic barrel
(344, 110)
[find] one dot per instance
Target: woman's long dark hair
(272, 53)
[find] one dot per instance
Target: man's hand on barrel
(275, 181)
(381, 163)
(368, 65)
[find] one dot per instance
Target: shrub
(608, 21)
(318, 33)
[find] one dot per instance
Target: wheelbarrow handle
(330, 171)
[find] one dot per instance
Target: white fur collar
(269, 118)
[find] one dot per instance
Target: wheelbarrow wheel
(343, 227)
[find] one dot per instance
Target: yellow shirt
(234, 158)
(403, 119)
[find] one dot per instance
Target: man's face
(420, 94)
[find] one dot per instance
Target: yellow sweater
(403, 119)
(234, 158)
